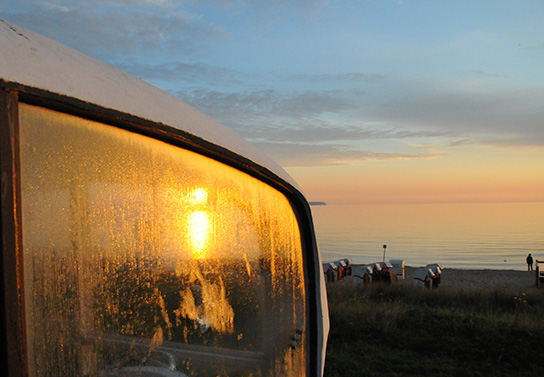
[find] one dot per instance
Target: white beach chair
(398, 268)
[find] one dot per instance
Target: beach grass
(400, 330)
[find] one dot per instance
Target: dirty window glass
(142, 258)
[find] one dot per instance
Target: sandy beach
(486, 279)
(453, 278)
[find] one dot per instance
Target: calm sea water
(481, 235)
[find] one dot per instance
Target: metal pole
(384, 247)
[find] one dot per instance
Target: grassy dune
(404, 331)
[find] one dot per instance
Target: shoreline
(486, 279)
(482, 279)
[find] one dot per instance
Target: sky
(369, 101)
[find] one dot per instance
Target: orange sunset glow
(502, 176)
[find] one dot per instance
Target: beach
(487, 279)
(468, 279)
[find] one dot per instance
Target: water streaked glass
(140, 257)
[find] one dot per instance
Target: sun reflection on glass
(199, 225)
(198, 196)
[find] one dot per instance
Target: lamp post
(384, 247)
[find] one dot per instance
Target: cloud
(245, 107)
(134, 2)
(219, 75)
(56, 7)
(483, 115)
(192, 75)
(101, 3)
(90, 4)
(320, 132)
(300, 6)
(272, 115)
(119, 34)
(397, 109)
(449, 117)
(489, 75)
(345, 78)
(313, 155)
(460, 142)
(290, 128)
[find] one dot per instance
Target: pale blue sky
(322, 85)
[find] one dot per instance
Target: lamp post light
(384, 247)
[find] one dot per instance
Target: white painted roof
(37, 61)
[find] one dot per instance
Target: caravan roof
(36, 61)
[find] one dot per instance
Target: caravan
(140, 236)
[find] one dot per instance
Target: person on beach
(529, 262)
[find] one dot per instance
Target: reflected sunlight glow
(198, 196)
(168, 249)
(199, 226)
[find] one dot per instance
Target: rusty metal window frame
(13, 315)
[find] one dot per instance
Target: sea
(468, 236)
